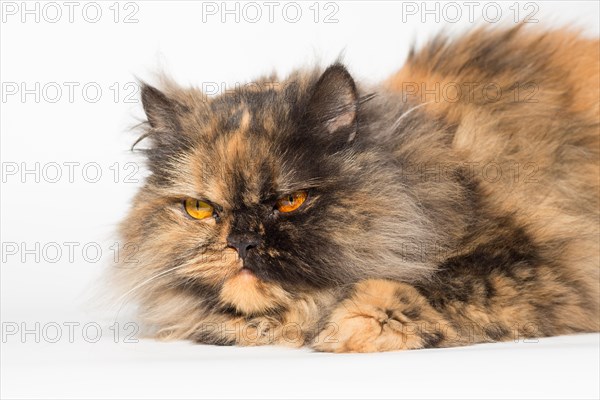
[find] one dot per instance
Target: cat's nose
(243, 242)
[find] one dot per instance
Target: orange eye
(198, 209)
(292, 201)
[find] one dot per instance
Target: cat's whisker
(123, 299)
(406, 113)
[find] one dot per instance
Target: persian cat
(454, 203)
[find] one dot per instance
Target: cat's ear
(334, 103)
(160, 110)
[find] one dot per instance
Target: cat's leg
(382, 315)
(292, 325)
(245, 331)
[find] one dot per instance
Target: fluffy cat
(455, 203)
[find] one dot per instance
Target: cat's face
(260, 193)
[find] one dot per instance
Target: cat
(454, 203)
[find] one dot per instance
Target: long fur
(462, 191)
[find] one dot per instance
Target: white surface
(563, 367)
(42, 287)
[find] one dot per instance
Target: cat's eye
(198, 209)
(291, 201)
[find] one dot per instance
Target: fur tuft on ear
(334, 102)
(166, 111)
(160, 110)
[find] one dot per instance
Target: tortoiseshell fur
(436, 217)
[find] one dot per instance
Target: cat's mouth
(247, 266)
(246, 271)
(249, 292)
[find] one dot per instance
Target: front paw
(237, 331)
(258, 331)
(380, 316)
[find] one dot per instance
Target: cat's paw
(380, 316)
(239, 331)
(257, 331)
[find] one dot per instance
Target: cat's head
(270, 190)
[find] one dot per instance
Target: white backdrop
(68, 97)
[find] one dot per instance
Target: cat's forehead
(244, 160)
(241, 147)
(258, 109)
